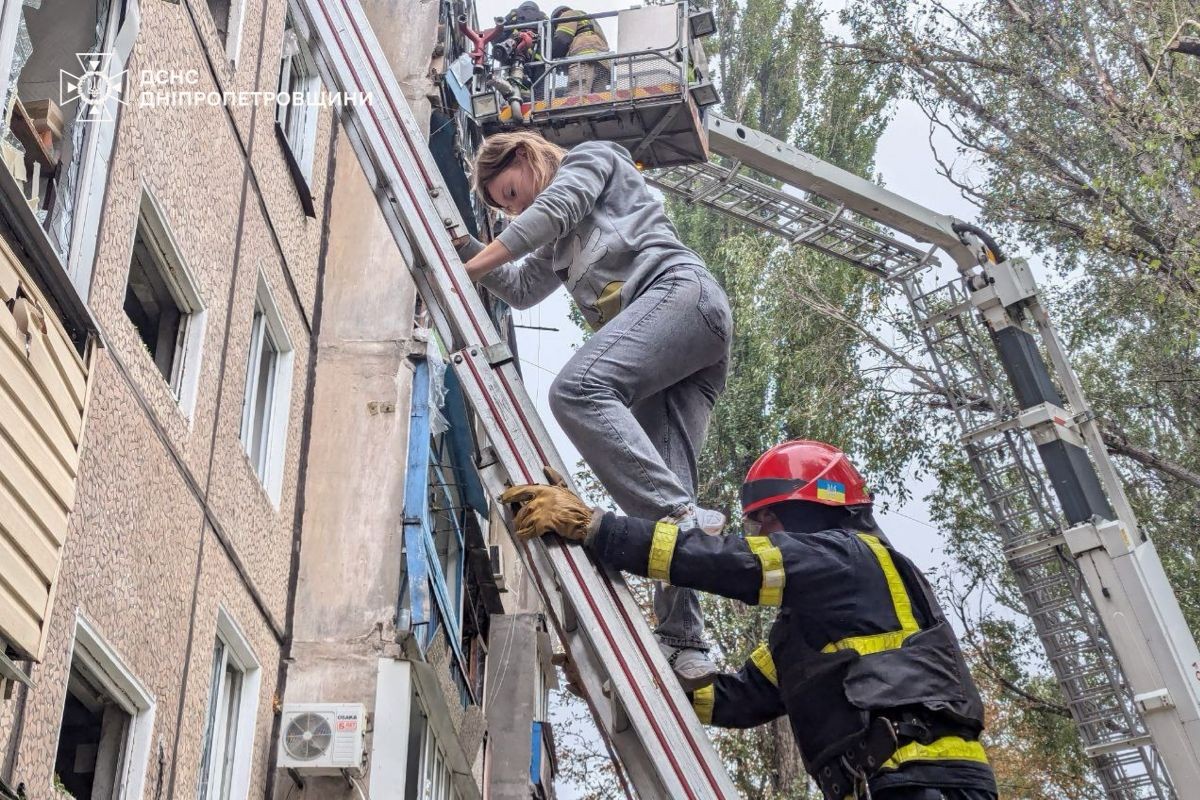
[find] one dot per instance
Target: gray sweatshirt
(596, 228)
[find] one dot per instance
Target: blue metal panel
(462, 447)
(441, 593)
(535, 753)
(416, 502)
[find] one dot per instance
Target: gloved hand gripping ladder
(634, 697)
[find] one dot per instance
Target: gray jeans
(636, 399)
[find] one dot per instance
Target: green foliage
(1077, 131)
(796, 366)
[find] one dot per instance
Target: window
(162, 302)
(298, 76)
(107, 721)
(435, 506)
(268, 392)
(227, 16)
(232, 706)
(429, 775)
(443, 498)
(53, 144)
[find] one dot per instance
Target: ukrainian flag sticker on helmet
(832, 491)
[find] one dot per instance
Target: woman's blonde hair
(499, 150)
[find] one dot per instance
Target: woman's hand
(487, 259)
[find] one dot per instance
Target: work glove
(541, 509)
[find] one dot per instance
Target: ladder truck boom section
(1096, 591)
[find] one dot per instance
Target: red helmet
(803, 470)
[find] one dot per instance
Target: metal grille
(1029, 520)
(610, 79)
(832, 231)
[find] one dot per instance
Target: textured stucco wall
(351, 559)
(170, 521)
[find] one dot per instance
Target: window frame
(304, 127)
(234, 773)
(185, 368)
(424, 563)
(120, 33)
(119, 682)
(266, 325)
(232, 46)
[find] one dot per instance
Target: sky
(906, 166)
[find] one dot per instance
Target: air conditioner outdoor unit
(496, 557)
(322, 738)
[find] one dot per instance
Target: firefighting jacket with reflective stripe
(859, 634)
(576, 37)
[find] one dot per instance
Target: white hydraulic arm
(1096, 591)
(633, 694)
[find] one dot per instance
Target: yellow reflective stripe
(574, 27)
(702, 701)
(773, 575)
(948, 748)
(761, 658)
(662, 549)
(901, 604)
(869, 643)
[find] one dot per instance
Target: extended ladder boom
(1096, 591)
(635, 698)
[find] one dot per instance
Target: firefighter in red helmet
(860, 657)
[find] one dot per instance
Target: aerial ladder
(1096, 592)
(1099, 600)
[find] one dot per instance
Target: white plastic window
(229, 724)
(268, 392)
(299, 81)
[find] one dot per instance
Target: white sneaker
(692, 667)
(707, 520)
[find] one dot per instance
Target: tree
(793, 373)
(1077, 132)
(820, 350)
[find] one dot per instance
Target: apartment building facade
(235, 475)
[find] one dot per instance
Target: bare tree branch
(1118, 444)
(1187, 45)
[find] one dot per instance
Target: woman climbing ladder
(636, 398)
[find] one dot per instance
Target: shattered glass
(11, 150)
(63, 212)
(438, 423)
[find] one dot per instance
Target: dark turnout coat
(859, 635)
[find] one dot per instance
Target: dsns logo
(93, 87)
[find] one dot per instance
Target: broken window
(163, 304)
(63, 83)
(298, 79)
(227, 16)
(106, 723)
(229, 725)
(443, 502)
(91, 740)
(220, 13)
(268, 392)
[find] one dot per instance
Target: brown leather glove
(544, 509)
